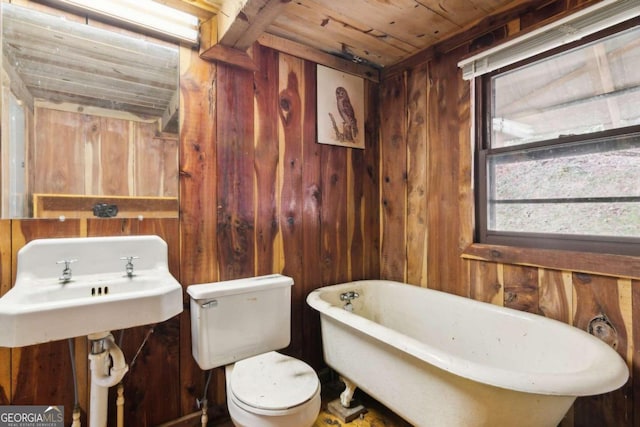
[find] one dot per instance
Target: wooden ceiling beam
(320, 57)
(241, 22)
(227, 36)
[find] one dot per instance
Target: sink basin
(99, 296)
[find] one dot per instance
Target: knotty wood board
(555, 295)
(521, 288)
(486, 282)
(5, 285)
(312, 205)
(605, 296)
(291, 93)
(367, 175)
(417, 182)
(267, 152)
(198, 208)
(635, 368)
(235, 182)
(445, 151)
(393, 186)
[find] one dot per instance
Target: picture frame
(340, 108)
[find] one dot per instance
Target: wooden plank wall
(427, 215)
(77, 153)
(257, 195)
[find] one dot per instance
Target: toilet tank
(237, 319)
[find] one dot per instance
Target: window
(558, 147)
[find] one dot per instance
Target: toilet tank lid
(238, 286)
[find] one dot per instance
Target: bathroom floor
(377, 415)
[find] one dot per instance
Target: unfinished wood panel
(102, 156)
(149, 398)
(266, 159)
(417, 182)
(393, 185)
(333, 166)
(90, 130)
(337, 31)
(5, 285)
(59, 155)
(486, 282)
(198, 216)
(420, 26)
(555, 295)
(465, 169)
(235, 185)
(320, 57)
(170, 169)
(445, 152)
(599, 310)
(584, 262)
(635, 368)
(371, 184)
(147, 155)
(40, 373)
(155, 161)
(5, 256)
(521, 288)
(312, 203)
(116, 162)
(291, 92)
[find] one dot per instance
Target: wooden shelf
(81, 206)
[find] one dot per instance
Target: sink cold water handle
(66, 271)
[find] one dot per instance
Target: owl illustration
(349, 122)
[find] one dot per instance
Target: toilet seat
(272, 383)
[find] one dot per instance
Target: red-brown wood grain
(393, 176)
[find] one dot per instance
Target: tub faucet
(66, 271)
(348, 297)
(129, 266)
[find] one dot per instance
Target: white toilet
(239, 324)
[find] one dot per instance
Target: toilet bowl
(239, 324)
(272, 390)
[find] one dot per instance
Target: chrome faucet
(348, 297)
(66, 271)
(129, 266)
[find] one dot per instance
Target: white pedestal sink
(71, 287)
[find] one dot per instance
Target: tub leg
(345, 408)
(347, 395)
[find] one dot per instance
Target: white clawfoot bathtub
(438, 359)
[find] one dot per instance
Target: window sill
(623, 266)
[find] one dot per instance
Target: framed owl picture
(340, 108)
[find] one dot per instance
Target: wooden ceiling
(68, 65)
(378, 33)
